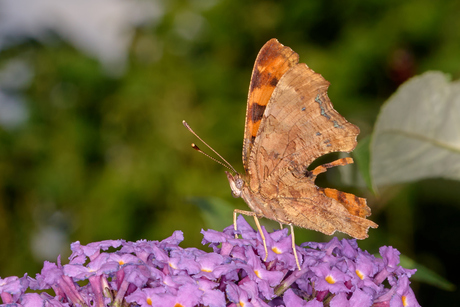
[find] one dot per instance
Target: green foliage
(103, 157)
(416, 135)
(426, 275)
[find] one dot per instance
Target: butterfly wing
(298, 126)
(301, 203)
(272, 62)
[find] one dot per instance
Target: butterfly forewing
(272, 62)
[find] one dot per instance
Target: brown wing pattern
(300, 125)
(272, 62)
(303, 204)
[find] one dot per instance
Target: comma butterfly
(290, 122)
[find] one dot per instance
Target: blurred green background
(92, 96)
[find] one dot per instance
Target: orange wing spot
(354, 204)
(255, 126)
(342, 161)
(318, 170)
(323, 168)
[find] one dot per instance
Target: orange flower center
(330, 279)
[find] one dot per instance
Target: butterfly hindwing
(300, 202)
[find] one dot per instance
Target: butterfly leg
(293, 246)
(235, 213)
(250, 213)
(262, 235)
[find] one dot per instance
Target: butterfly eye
(239, 183)
(236, 184)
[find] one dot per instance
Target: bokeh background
(92, 95)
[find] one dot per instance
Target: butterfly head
(236, 184)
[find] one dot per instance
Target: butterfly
(290, 122)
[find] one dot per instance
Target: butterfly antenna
(227, 165)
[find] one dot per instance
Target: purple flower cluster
(152, 273)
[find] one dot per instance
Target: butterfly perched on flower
(290, 122)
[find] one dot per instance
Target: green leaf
(426, 275)
(361, 155)
(216, 213)
(358, 173)
(417, 133)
